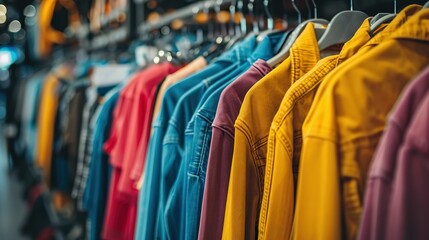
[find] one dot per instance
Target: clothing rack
(182, 13)
(108, 39)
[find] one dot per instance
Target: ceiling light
(14, 26)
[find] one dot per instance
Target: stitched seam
(204, 149)
(267, 185)
(304, 87)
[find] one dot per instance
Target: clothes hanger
(385, 19)
(233, 28)
(319, 30)
(213, 47)
(221, 19)
(377, 17)
(342, 27)
(243, 22)
(243, 27)
(270, 22)
(251, 8)
(284, 52)
(426, 5)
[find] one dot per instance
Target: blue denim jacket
(173, 145)
(150, 194)
(96, 190)
(198, 137)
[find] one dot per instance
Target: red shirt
(131, 124)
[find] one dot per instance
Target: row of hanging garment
(245, 149)
(52, 110)
(271, 137)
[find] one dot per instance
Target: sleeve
(216, 185)
(408, 211)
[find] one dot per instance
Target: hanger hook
(394, 7)
(314, 8)
(351, 5)
(251, 8)
(308, 9)
(243, 24)
(232, 20)
(297, 10)
(270, 20)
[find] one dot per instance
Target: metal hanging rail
(184, 12)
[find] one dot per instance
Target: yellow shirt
(285, 140)
(45, 125)
(343, 128)
(251, 133)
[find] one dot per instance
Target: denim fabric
(221, 151)
(172, 152)
(149, 199)
(174, 144)
(97, 185)
(201, 131)
(173, 147)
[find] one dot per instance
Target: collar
(304, 53)
(351, 47)
(268, 47)
(239, 52)
(396, 24)
(416, 28)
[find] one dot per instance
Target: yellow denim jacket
(251, 133)
(344, 125)
(285, 140)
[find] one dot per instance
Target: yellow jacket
(45, 125)
(285, 140)
(251, 133)
(344, 125)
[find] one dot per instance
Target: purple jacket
(221, 149)
(394, 206)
